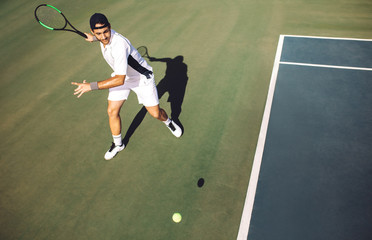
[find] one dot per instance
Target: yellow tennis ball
(177, 217)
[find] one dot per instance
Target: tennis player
(131, 73)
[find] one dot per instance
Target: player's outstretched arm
(114, 81)
(81, 88)
(84, 87)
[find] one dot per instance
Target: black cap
(98, 18)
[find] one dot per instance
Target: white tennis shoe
(111, 153)
(175, 129)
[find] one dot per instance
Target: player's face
(103, 34)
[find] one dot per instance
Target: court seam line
(253, 181)
(330, 38)
(326, 66)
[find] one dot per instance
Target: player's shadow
(174, 82)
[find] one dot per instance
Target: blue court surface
(312, 172)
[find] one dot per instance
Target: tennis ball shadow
(201, 182)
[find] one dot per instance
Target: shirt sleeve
(120, 53)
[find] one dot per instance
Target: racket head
(50, 17)
(143, 51)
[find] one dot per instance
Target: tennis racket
(143, 51)
(53, 19)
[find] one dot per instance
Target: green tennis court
(54, 182)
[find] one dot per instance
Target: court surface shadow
(174, 82)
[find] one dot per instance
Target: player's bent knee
(112, 112)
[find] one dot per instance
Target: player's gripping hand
(90, 37)
(82, 88)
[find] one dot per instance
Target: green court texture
(54, 183)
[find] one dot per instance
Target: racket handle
(81, 34)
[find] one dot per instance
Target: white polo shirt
(116, 54)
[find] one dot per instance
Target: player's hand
(82, 88)
(90, 37)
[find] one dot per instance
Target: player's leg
(113, 111)
(157, 112)
(160, 114)
(147, 95)
(116, 98)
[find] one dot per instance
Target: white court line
(330, 38)
(326, 66)
(252, 186)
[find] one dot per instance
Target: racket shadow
(174, 82)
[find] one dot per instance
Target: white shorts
(145, 89)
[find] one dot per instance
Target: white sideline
(252, 186)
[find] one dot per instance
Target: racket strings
(50, 18)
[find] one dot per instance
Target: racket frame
(58, 29)
(146, 54)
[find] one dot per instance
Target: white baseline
(326, 66)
